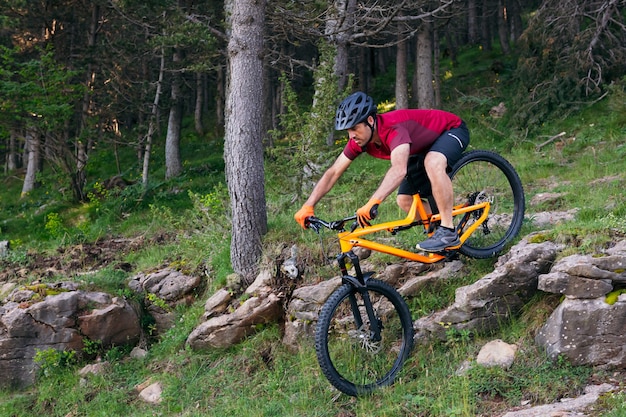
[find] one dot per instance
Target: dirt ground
(71, 260)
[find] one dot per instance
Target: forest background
(98, 94)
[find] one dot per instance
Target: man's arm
(328, 180)
(395, 174)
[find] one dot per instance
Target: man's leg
(405, 202)
(436, 164)
(445, 236)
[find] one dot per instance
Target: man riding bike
(421, 146)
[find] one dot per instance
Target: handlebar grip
(374, 211)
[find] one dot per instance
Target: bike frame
(416, 215)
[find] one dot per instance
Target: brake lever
(313, 224)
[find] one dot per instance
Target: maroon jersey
(419, 128)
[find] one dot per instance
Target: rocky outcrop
(588, 327)
(55, 317)
(565, 407)
(303, 310)
(164, 290)
(483, 305)
(231, 320)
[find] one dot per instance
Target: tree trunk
(12, 154)
(32, 148)
(503, 33)
(485, 25)
(424, 69)
(80, 176)
(199, 105)
(339, 30)
(402, 82)
(243, 150)
(472, 22)
(514, 15)
(173, 165)
(152, 124)
(82, 146)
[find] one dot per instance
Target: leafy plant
(54, 225)
(157, 301)
(50, 360)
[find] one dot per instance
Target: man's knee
(404, 201)
(435, 162)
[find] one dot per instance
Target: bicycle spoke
(486, 177)
(350, 357)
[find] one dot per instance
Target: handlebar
(338, 225)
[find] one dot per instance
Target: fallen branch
(552, 139)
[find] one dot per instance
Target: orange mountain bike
(364, 332)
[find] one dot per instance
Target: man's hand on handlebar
(368, 212)
(302, 216)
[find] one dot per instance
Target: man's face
(361, 133)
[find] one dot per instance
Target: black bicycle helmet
(353, 110)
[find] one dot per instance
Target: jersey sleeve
(352, 150)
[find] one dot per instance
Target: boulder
(497, 353)
(587, 332)
(228, 329)
(168, 284)
(60, 322)
(559, 282)
(414, 283)
(165, 290)
(588, 326)
(303, 310)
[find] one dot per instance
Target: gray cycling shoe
(442, 238)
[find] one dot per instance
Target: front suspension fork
(359, 281)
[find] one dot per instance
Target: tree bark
(485, 25)
(424, 69)
(243, 150)
(32, 166)
(503, 33)
(152, 124)
(472, 22)
(339, 30)
(402, 82)
(197, 114)
(12, 154)
(514, 15)
(173, 165)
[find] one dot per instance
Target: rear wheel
(486, 176)
(352, 357)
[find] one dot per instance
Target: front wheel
(354, 358)
(486, 176)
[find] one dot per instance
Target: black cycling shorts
(452, 143)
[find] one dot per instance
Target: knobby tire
(350, 360)
(484, 175)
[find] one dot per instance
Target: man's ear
(370, 121)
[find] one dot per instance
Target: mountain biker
(421, 146)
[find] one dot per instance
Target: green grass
(260, 376)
